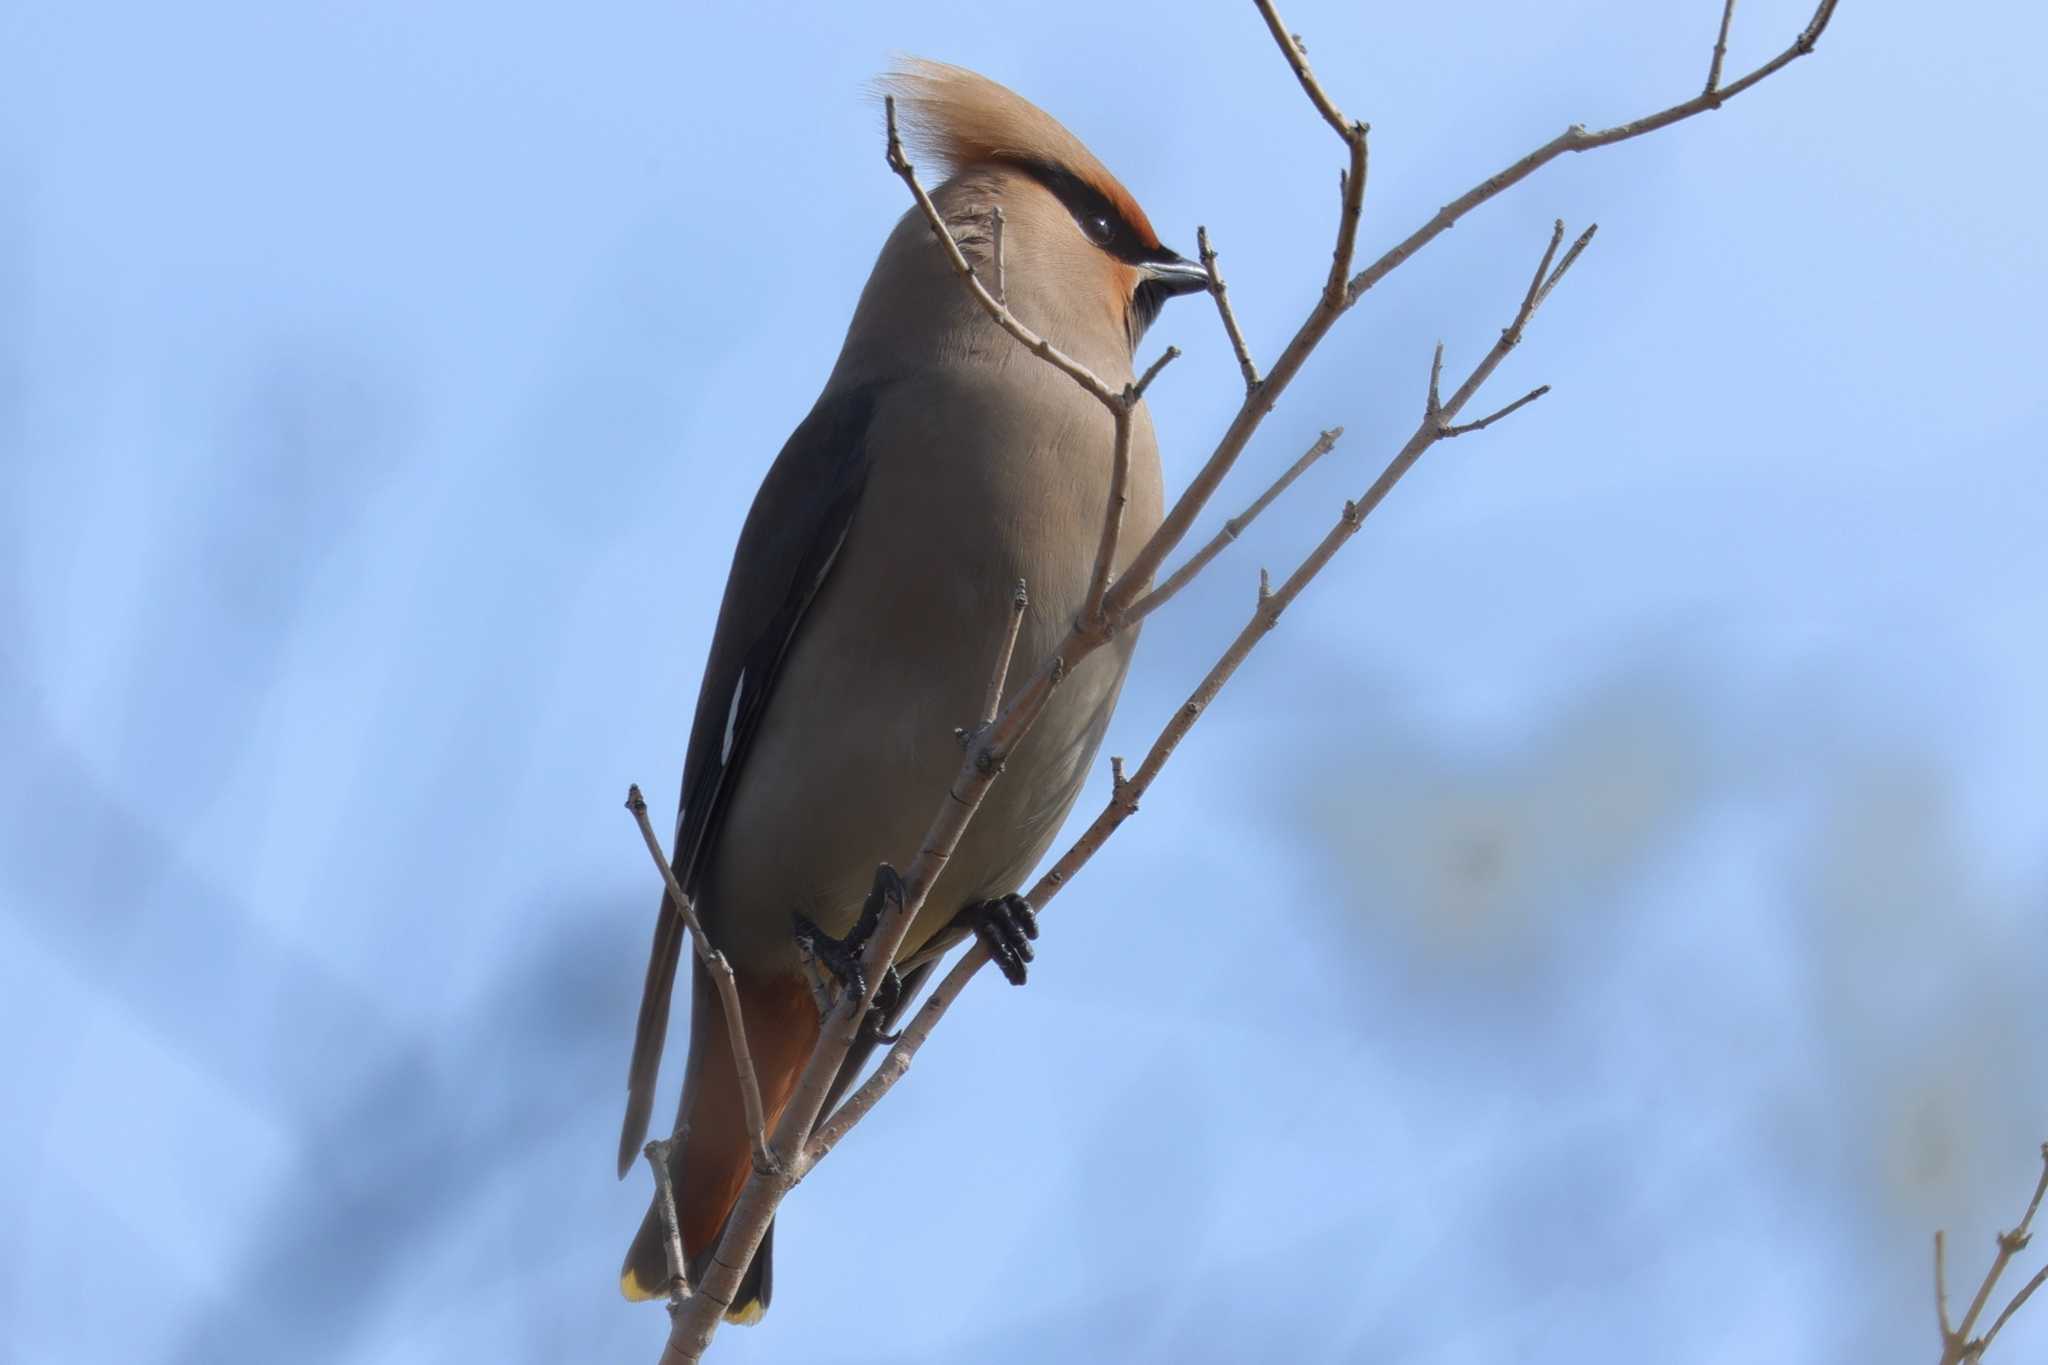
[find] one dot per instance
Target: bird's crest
(962, 118)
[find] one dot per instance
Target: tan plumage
(965, 119)
(941, 464)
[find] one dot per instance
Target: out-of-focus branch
(1958, 1347)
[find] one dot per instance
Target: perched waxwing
(867, 598)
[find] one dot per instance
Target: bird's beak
(1175, 275)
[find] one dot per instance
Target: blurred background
(1603, 923)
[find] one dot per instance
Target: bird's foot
(887, 997)
(841, 957)
(1005, 925)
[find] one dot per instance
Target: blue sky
(1602, 921)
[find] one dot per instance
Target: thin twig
(1020, 598)
(1297, 57)
(995, 251)
(1231, 530)
(1720, 48)
(1488, 420)
(1958, 1346)
(1092, 617)
(1570, 258)
(1941, 1290)
(721, 977)
(2018, 1301)
(1577, 139)
(657, 1153)
(1329, 306)
(1535, 294)
(1166, 357)
(1350, 208)
(1220, 292)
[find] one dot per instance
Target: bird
(872, 584)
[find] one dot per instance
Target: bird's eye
(1098, 228)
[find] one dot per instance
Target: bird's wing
(787, 547)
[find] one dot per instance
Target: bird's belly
(864, 777)
(856, 752)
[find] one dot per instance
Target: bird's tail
(711, 1163)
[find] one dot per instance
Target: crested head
(963, 119)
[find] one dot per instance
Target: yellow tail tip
(744, 1314)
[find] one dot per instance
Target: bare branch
(657, 1153)
(1092, 617)
(1330, 305)
(1570, 259)
(1720, 48)
(1350, 207)
(1166, 357)
(1297, 57)
(1488, 420)
(1221, 293)
(1019, 599)
(1958, 1346)
(1941, 1290)
(2018, 1301)
(721, 977)
(1577, 139)
(1534, 296)
(1511, 335)
(1232, 529)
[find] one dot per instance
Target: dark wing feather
(787, 547)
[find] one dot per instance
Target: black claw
(841, 956)
(1005, 926)
(887, 997)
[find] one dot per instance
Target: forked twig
(1232, 529)
(1958, 1347)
